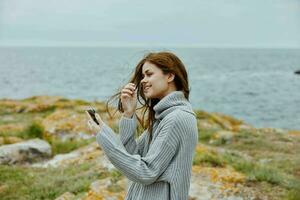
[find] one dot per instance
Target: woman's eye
(143, 76)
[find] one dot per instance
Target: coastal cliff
(47, 152)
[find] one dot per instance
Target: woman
(159, 162)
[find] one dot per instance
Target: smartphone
(92, 113)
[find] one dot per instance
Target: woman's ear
(171, 77)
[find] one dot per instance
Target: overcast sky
(213, 23)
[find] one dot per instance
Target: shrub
(34, 130)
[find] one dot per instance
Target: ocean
(258, 86)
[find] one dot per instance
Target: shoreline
(280, 129)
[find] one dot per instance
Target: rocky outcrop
(210, 183)
(66, 124)
(222, 183)
(89, 153)
(107, 189)
(212, 178)
(219, 121)
(28, 151)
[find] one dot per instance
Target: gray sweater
(160, 170)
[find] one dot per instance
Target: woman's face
(155, 84)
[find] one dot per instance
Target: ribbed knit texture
(160, 170)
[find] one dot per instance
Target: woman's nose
(143, 81)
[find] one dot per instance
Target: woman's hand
(95, 128)
(129, 99)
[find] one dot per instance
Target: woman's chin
(148, 95)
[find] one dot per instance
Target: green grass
(208, 159)
(253, 171)
(261, 172)
(115, 175)
(293, 194)
(34, 130)
(59, 147)
(28, 183)
(16, 118)
(205, 135)
(279, 153)
(23, 118)
(254, 141)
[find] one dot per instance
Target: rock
(58, 160)
(64, 136)
(219, 121)
(66, 196)
(106, 189)
(200, 190)
(216, 183)
(85, 154)
(265, 161)
(245, 127)
(105, 163)
(281, 131)
(27, 151)
(225, 121)
(204, 125)
(66, 124)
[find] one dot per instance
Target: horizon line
(152, 46)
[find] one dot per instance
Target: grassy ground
(270, 160)
(27, 125)
(17, 182)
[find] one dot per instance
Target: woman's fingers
(89, 124)
(130, 86)
(92, 125)
(88, 115)
(127, 91)
(98, 118)
(90, 120)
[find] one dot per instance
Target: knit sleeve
(127, 129)
(142, 169)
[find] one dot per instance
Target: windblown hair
(168, 63)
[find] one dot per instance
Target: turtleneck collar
(170, 102)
